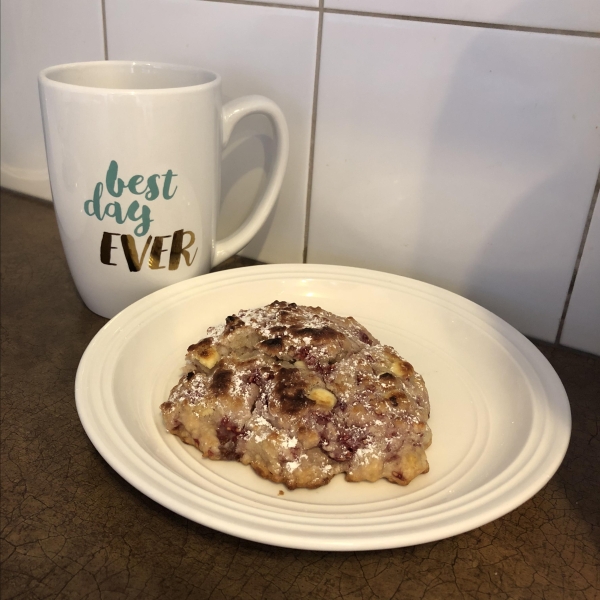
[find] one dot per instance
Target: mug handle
(232, 112)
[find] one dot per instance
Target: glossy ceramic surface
(134, 154)
(264, 50)
(499, 414)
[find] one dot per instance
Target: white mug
(134, 155)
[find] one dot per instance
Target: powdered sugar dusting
(301, 394)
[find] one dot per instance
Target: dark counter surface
(73, 528)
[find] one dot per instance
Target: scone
(300, 395)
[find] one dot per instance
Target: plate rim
(547, 379)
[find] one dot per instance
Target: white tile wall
(582, 325)
(257, 50)
(465, 157)
(36, 35)
(579, 15)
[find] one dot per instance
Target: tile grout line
(463, 23)
(273, 4)
(480, 24)
(105, 37)
(313, 129)
(586, 229)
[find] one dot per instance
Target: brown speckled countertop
(73, 528)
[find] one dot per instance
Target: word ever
(138, 186)
(135, 259)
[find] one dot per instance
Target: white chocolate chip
(398, 369)
(209, 358)
(322, 397)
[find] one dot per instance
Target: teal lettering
(115, 213)
(94, 204)
(133, 183)
(152, 190)
(132, 210)
(167, 185)
(144, 216)
(112, 179)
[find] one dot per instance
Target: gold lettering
(131, 254)
(178, 249)
(157, 250)
(106, 247)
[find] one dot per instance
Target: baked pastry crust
(300, 395)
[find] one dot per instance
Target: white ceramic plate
(499, 413)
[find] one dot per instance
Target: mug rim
(45, 80)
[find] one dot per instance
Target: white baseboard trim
(26, 181)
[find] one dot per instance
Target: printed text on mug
(153, 247)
